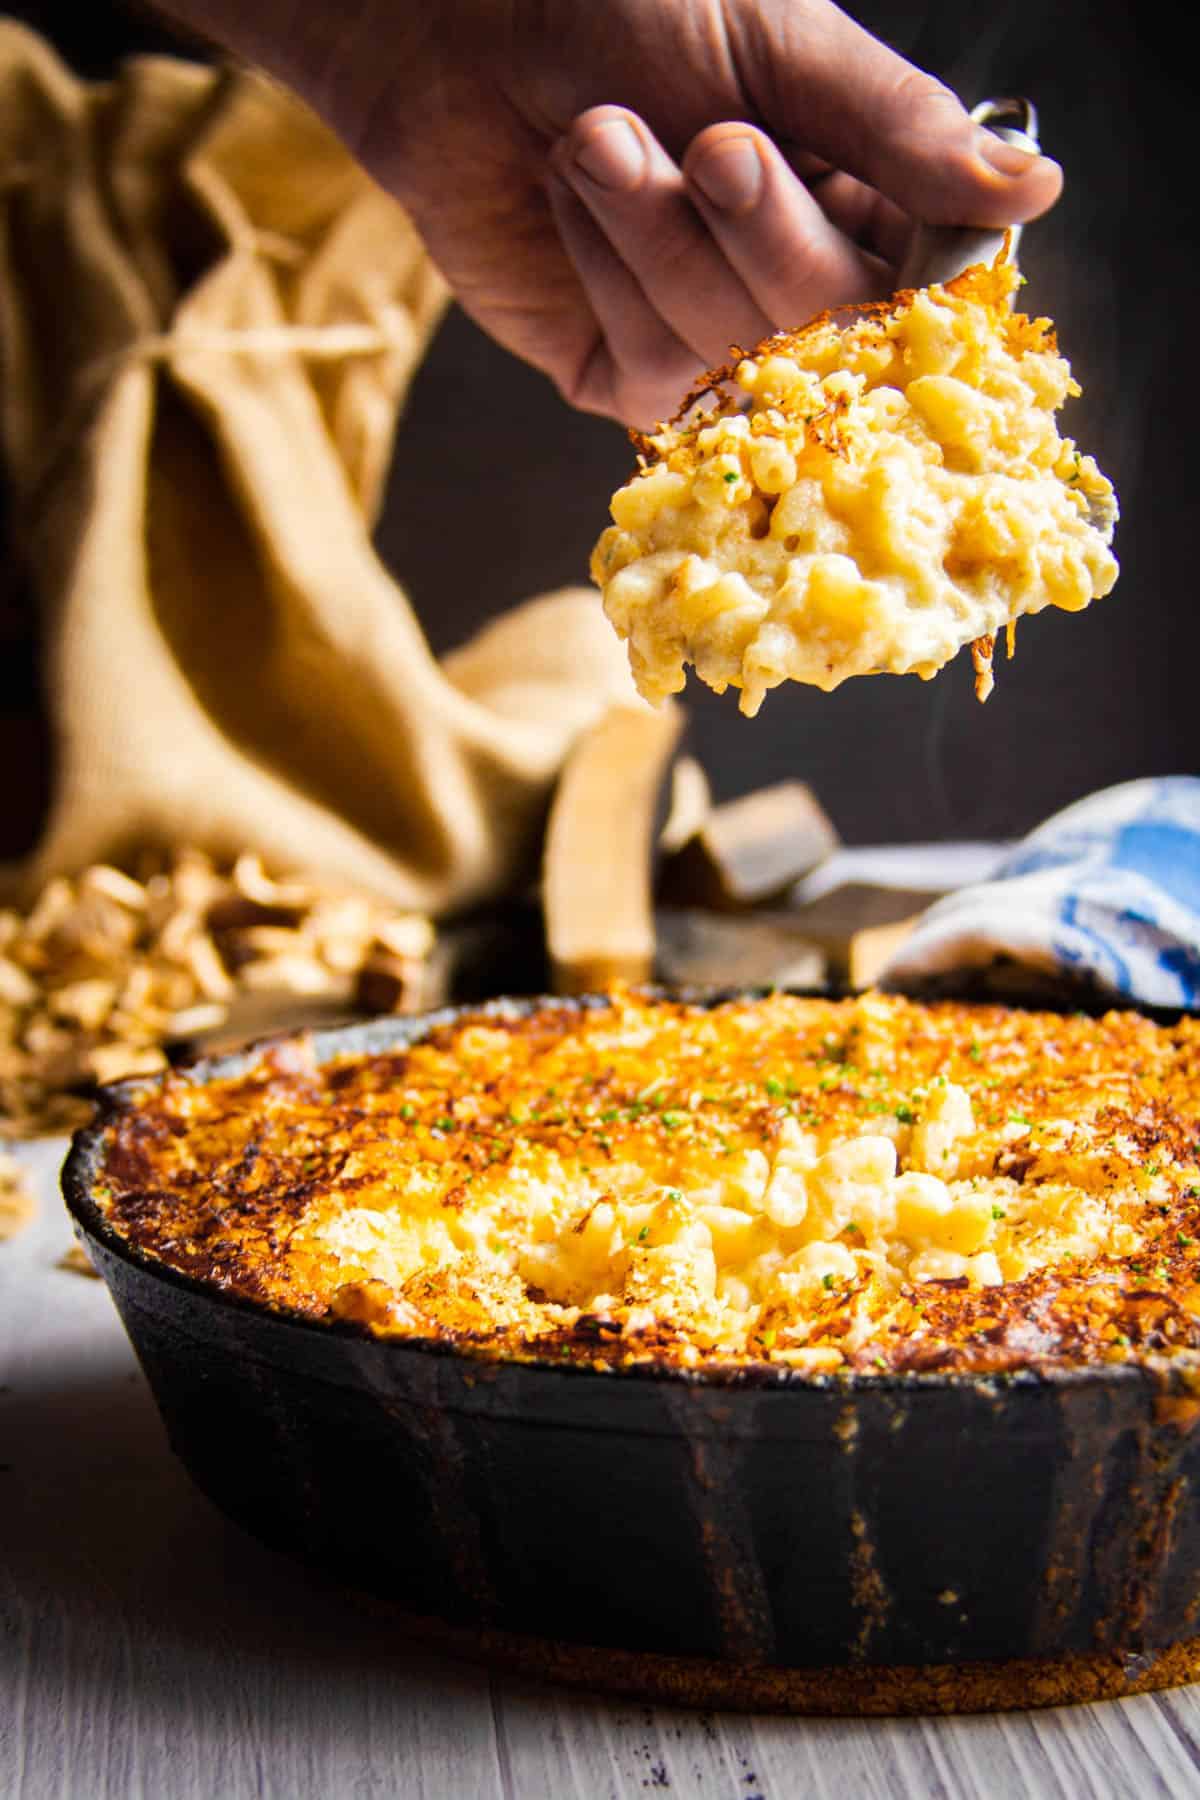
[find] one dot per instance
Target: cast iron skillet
(754, 1518)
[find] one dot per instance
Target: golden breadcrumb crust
(858, 1185)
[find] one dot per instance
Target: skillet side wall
(801, 1525)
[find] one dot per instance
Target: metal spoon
(940, 252)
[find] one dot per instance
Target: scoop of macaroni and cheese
(861, 496)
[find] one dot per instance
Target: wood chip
(872, 949)
(703, 949)
(86, 1003)
(408, 936)
(101, 879)
(117, 1062)
(750, 851)
(841, 918)
(16, 1200)
(384, 980)
(77, 1262)
(193, 1021)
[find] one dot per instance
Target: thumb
(823, 82)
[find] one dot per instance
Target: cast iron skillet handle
(939, 252)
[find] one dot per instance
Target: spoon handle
(939, 252)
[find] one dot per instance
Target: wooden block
(873, 948)
(706, 949)
(750, 851)
(859, 906)
(600, 842)
(849, 914)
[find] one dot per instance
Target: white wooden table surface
(149, 1648)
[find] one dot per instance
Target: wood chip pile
(106, 972)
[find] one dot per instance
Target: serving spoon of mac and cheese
(868, 494)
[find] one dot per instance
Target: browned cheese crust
(656, 1181)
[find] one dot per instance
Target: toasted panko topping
(822, 1185)
(863, 495)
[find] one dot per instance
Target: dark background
(1090, 699)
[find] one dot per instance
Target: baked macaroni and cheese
(860, 496)
(870, 1184)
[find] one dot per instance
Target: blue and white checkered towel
(1108, 890)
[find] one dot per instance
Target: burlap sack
(208, 320)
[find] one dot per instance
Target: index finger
(817, 77)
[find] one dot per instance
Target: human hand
(619, 192)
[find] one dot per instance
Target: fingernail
(730, 174)
(1009, 159)
(613, 156)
